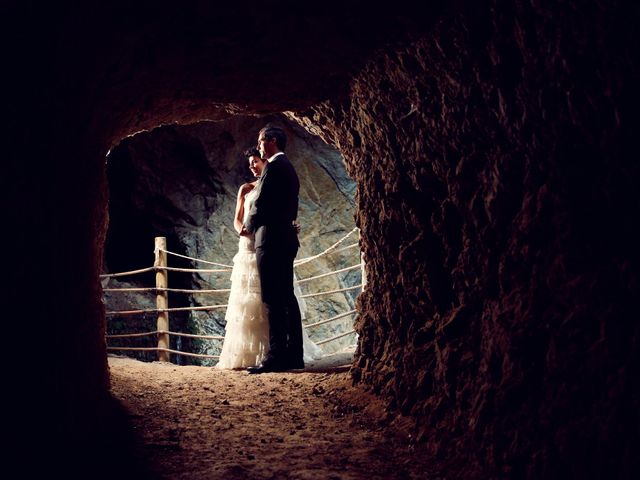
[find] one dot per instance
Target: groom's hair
(275, 132)
(251, 152)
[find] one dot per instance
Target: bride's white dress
(246, 339)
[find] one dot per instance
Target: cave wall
(497, 205)
(80, 77)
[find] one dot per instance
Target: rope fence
(163, 350)
(321, 342)
(302, 261)
(132, 272)
(329, 320)
(305, 280)
(197, 259)
(156, 289)
(162, 309)
(309, 295)
(155, 332)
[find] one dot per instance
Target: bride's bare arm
(242, 192)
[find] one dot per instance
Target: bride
(246, 339)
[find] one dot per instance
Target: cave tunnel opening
(180, 182)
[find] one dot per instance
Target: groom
(271, 219)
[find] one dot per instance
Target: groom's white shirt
(273, 157)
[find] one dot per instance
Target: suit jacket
(276, 206)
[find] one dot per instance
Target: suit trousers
(275, 267)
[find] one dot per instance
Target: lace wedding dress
(246, 339)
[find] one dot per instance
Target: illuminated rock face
(491, 147)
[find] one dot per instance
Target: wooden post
(162, 297)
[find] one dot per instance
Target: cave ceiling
(131, 66)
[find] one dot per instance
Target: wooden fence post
(162, 297)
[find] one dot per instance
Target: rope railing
(296, 263)
(164, 350)
(226, 290)
(167, 310)
(168, 269)
(196, 259)
(125, 313)
(191, 335)
(132, 272)
(132, 289)
(302, 261)
(177, 334)
(209, 307)
(131, 335)
(322, 342)
(162, 309)
(158, 289)
(196, 270)
(329, 320)
(348, 247)
(209, 337)
(186, 309)
(318, 294)
(304, 280)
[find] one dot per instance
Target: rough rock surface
(484, 156)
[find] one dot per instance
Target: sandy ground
(203, 423)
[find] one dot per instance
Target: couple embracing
(264, 328)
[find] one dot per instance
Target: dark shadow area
(101, 445)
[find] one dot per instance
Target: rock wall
(497, 205)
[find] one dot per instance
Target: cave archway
(180, 182)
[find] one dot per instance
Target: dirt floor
(203, 423)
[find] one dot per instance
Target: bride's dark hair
(251, 152)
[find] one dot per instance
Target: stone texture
(485, 156)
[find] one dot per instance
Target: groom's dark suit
(276, 240)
